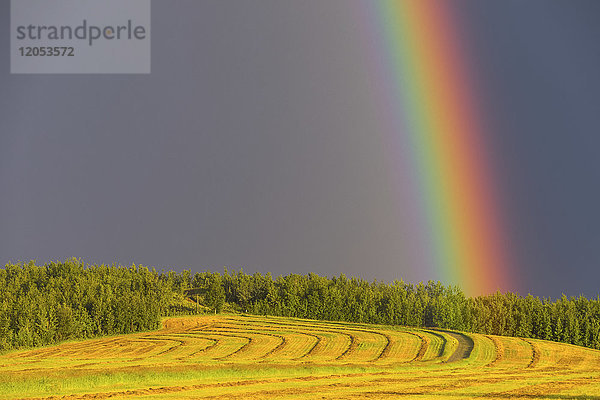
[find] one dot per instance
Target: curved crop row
(245, 357)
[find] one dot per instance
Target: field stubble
(245, 357)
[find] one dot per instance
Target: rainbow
(429, 100)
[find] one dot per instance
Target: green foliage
(60, 301)
(575, 320)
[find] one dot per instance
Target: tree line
(574, 320)
(41, 305)
(46, 304)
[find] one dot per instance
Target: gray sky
(253, 144)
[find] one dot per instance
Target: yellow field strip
(361, 344)
(249, 357)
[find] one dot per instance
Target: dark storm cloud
(538, 63)
(255, 143)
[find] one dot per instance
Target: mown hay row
(224, 357)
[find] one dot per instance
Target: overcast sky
(252, 145)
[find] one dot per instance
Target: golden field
(251, 357)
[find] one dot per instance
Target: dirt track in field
(464, 349)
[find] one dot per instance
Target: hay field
(250, 357)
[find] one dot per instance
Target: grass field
(247, 357)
